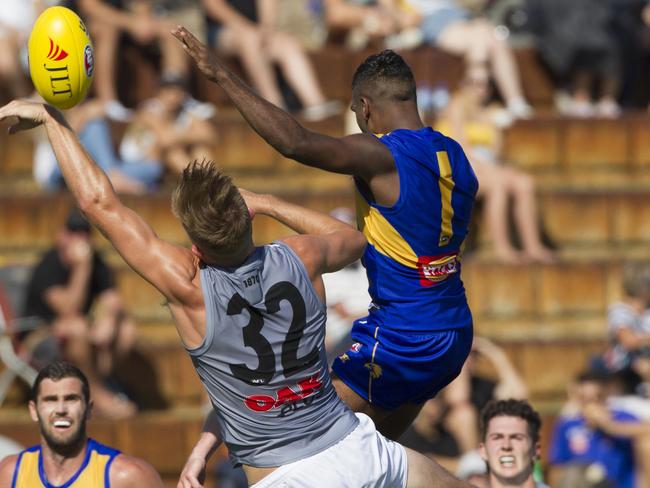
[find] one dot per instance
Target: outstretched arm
(360, 154)
(193, 474)
(169, 268)
(326, 243)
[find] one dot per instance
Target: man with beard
(60, 403)
(510, 443)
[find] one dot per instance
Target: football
(61, 57)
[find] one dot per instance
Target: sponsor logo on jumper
(344, 358)
(89, 60)
(59, 80)
(434, 269)
(288, 399)
(356, 347)
(56, 53)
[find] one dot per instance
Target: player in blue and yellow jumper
(66, 457)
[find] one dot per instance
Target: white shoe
(519, 109)
(322, 110)
(608, 109)
(118, 112)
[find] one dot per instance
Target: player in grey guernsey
(252, 319)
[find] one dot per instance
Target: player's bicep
(166, 266)
(358, 154)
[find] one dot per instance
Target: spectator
(247, 30)
(371, 21)
(171, 129)
(347, 297)
(16, 20)
(71, 281)
(628, 320)
(108, 20)
(478, 127)
(577, 41)
(452, 28)
(510, 443)
(592, 444)
(131, 175)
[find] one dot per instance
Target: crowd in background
(597, 53)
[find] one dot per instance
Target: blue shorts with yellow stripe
(390, 368)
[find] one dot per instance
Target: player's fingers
(189, 38)
(194, 483)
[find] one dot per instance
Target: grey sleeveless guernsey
(263, 360)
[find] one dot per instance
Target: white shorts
(363, 459)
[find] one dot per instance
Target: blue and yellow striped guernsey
(93, 472)
(413, 252)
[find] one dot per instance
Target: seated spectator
(16, 20)
(166, 132)
(628, 320)
(448, 426)
(452, 28)
(478, 127)
(107, 20)
(171, 128)
(577, 42)
(372, 21)
(592, 445)
(247, 30)
(510, 443)
(135, 175)
(72, 290)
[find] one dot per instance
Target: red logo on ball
(56, 53)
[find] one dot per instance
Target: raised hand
(255, 202)
(203, 57)
(29, 114)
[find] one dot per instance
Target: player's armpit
(132, 472)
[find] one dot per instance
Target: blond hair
(211, 209)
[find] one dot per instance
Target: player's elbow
(94, 204)
(297, 144)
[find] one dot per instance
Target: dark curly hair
(387, 75)
(56, 371)
(511, 408)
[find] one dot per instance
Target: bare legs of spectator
(107, 38)
(73, 332)
(476, 41)
(498, 185)
(10, 70)
(259, 51)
